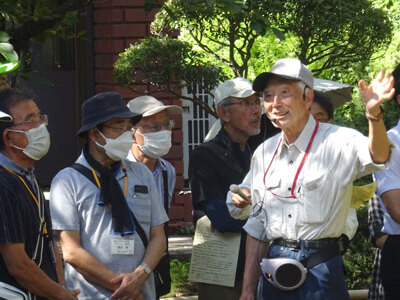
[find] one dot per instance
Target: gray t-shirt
(73, 206)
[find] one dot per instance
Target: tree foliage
(167, 65)
(224, 29)
(333, 33)
(244, 38)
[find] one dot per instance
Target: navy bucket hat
(103, 107)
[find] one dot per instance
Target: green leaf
(7, 50)
(4, 37)
(279, 34)
(258, 27)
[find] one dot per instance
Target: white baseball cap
(288, 68)
(5, 117)
(238, 87)
(148, 106)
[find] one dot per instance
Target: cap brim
(243, 93)
(261, 80)
(128, 114)
(171, 109)
(5, 117)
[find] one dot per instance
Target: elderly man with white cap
(301, 187)
(224, 160)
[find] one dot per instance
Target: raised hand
(380, 90)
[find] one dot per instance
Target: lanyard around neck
(39, 203)
(125, 178)
(298, 169)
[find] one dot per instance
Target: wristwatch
(146, 268)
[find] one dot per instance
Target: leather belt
(308, 244)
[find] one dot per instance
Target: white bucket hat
(148, 106)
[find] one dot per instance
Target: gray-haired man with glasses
(224, 160)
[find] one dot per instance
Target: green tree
(167, 65)
(244, 38)
(335, 33)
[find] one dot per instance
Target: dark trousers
(390, 267)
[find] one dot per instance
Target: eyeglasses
(41, 119)
(120, 129)
(245, 104)
(284, 94)
(169, 125)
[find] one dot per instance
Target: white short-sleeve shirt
(337, 157)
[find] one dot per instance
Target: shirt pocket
(312, 205)
(141, 206)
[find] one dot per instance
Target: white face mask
(38, 142)
(117, 149)
(156, 144)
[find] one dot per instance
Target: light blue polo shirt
(73, 206)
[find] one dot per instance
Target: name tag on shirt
(123, 245)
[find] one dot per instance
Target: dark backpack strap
(166, 202)
(140, 231)
(85, 172)
(166, 192)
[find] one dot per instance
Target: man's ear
(92, 134)
(5, 138)
(223, 114)
(309, 98)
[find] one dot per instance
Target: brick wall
(117, 24)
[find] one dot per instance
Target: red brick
(129, 94)
(126, 93)
(103, 31)
(179, 182)
(105, 61)
(177, 136)
(104, 76)
(178, 121)
(179, 199)
(188, 212)
(177, 102)
(109, 46)
(178, 165)
(139, 15)
(163, 95)
(116, 3)
(176, 212)
(175, 152)
(104, 88)
(113, 15)
(128, 30)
